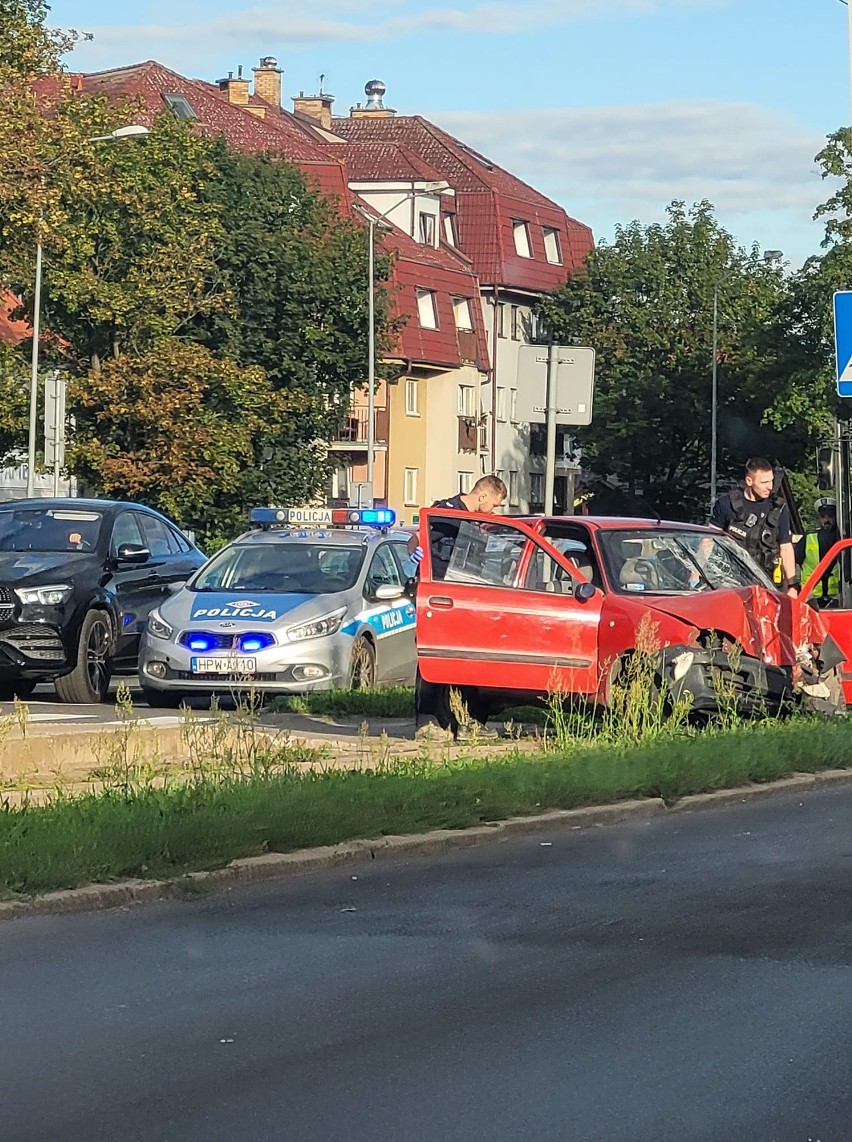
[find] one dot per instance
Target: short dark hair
(758, 464)
(491, 484)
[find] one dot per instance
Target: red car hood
(767, 624)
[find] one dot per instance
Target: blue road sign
(843, 341)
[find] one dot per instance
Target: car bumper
(315, 664)
(33, 650)
(714, 680)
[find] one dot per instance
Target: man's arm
(787, 553)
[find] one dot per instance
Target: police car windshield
(676, 562)
(282, 568)
(49, 529)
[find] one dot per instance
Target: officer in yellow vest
(813, 546)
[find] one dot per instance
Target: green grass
(390, 702)
(144, 830)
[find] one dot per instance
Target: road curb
(93, 897)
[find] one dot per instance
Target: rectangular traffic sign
(843, 341)
(572, 378)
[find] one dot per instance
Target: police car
(308, 599)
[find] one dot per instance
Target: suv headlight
(157, 627)
(317, 628)
(52, 596)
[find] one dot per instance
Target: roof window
(521, 233)
(552, 249)
(179, 106)
(426, 309)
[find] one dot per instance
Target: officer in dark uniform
(757, 517)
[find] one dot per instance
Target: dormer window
(461, 312)
(426, 309)
(521, 233)
(552, 249)
(450, 235)
(426, 229)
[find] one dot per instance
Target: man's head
(827, 511)
(759, 478)
(486, 495)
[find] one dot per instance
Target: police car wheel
(362, 668)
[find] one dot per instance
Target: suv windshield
(291, 568)
(49, 529)
(677, 562)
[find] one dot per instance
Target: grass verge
(146, 830)
(390, 702)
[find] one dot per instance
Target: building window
(461, 312)
(466, 405)
(465, 482)
(513, 487)
(409, 487)
(552, 249)
(412, 397)
(501, 320)
(517, 332)
(179, 106)
(426, 228)
(450, 232)
(501, 403)
(521, 232)
(426, 309)
(536, 488)
(513, 405)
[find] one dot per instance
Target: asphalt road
(684, 979)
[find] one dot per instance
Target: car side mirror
(388, 591)
(132, 553)
(584, 591)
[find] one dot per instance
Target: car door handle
(441, 602)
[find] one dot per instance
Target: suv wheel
(89, 680)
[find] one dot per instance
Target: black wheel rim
(362, 667)
(97, 656)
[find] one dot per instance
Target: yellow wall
(407, 448)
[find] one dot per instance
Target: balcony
(352, 437)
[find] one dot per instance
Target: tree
(645, 304)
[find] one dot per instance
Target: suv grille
(35, 641)
(6, 604)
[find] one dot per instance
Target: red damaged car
(512, 609)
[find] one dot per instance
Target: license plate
(224, 664)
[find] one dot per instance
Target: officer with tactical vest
(812, 547)
(756, 515)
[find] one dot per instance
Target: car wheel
(20, 689)
(89, 680)
(470, 697)
(164, 699)
(362, 668)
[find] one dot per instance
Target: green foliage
(646, 305)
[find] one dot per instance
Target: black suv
(78, 579)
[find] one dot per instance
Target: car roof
(336, 536)
(71, 502)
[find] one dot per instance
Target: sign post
(54, 425)
(843, 429)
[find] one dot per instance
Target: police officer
(756, 516)
(486, 495)
(813, 546)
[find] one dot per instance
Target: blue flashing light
(377, 517)
(267, 515)
(251, 643)
(200, 642)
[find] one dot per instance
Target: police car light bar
(323, 517)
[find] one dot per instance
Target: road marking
(61, 717)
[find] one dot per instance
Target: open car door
(837, 617)
(500, 608)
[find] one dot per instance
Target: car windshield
(285, 568)
(49, 529)
(677, 562)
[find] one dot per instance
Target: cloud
(614, 164)
(362, 23)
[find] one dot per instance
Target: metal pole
(371, 366)
(849, 11)
(550, 460)
(31, 443)
(714, 398)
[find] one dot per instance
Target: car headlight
(157, 627)
(52, 596)
(317, 628)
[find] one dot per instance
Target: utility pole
(714, 400)
(550, 413)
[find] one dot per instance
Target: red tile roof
(488, 200)
(386, 162)
(244, 130)
(12, 331)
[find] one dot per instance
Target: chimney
(375, 108)
(235, 90)
(267, 81)
(316, 107)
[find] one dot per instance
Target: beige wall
(408, 447)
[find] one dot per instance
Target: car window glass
(545, 574)
(383, 570)
(157, 537)
(49, 529)
(179, 542)
(406, 563)
(471, 551)
(297, 568)
(125, 530)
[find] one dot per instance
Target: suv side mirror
(388, 591)
(132, 553)
(584, 591)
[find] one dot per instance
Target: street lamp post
(132, 131)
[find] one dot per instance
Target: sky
(611, 107)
